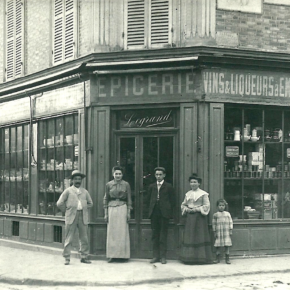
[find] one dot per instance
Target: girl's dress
(118, 199)
(222, 224)
(196, 246)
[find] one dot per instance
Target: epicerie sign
(237, 83)
(147, 84)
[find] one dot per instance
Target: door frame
(140, 225)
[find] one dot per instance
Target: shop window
(64, 30)
(257, 163)
(14, 38)
(15, 228)
(14, 169)
(58, 152)
(148, 23)
(57, 234)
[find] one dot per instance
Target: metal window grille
(57, 234)
(15, 228)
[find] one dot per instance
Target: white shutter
(159, 23)
(19, 25)
(69, 29)
(64, 30)
(135, 23)
(10, 39)
(58, 31)
(14, 38)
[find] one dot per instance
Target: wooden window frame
(63, 50)
(14, 35)
(147, 26)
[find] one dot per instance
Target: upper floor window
(148, 24)
(64, 30)
(14, 38)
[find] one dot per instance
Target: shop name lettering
(147, 85)
(246, 84)
(134, 121)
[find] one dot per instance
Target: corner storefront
(230, 124)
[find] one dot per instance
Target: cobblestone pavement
(275, 281)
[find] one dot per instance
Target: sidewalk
(38, 268)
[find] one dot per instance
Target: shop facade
(229, 125)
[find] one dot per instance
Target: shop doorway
(139, 154)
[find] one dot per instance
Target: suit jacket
(68, 202)
(166, 198)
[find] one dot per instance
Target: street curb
(44, 249)
(39, 282)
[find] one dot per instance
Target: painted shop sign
(150, 84)
(146, 118)
(254, 84)
(232, 151)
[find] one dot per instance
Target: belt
(119, 199)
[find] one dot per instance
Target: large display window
(14, 169)
(58, 153)
(257, 162)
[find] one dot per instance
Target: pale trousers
(83, 236)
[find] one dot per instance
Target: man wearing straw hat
(75, 201)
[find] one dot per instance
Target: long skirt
(118, 241)
(196, 246)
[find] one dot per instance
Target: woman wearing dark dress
(196, 246)
(117, 206)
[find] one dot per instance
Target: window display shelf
(58, 154)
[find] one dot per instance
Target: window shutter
(19, 25)
(14, 38)
(64, 30)
(159, 22)
(136, 23)
(58, 31)
(10, 39)
(69, 30)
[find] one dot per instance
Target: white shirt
(161, 182)
(79, 203)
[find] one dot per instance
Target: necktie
(158, 187)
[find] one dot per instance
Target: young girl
(222, 225)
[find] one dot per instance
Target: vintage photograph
(144, 144)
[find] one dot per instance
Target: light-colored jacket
(68, 202)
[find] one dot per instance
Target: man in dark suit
(161, 197)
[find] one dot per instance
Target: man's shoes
(86, 261)
(154, 260)
(163, 261)
(67, 261)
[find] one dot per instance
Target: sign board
(248, 6)
(232, 151)
(238, 83)
(146, 118)
(156, 84)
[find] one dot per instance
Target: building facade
(194, 86)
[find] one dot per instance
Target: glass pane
(157, 151)
(58, 155)
(14, 169)
(127, 161)
(233, 163)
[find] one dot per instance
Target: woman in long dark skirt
(196, 246)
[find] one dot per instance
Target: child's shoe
(217, 259)
(228, 259)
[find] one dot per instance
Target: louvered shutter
(58, 31)
(136, 24)
(159, 23)
(19, 15)
(69, 29)
(10, 39)
(64, 30)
